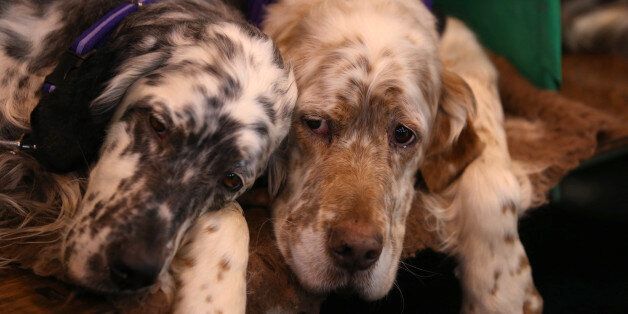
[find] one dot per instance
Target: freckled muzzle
(127, 257)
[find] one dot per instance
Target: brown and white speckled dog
(373, 99)
(194, 102)
(382, 99)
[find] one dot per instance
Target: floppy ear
(277, 169)
(266, 187)
(67, 126)
(454, 143)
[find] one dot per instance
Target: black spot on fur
(195, 31)
(252, 31)
(286, 113)
(91, 196)
(268, 108)
(277, 58)
(261, 129)
(225, 45)
(15, 46)
(154, 79)
(231, 88)
(214, 71)
(200, 89)
(98, 207)
(214, 102)
(22, 83)
(124, 185)
(69, 250)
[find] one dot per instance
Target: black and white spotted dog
(173, 117)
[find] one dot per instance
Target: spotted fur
(476, 215)
(212, 264)
(217, 84)
(366, 67)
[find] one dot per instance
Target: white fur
(398, 40)
(481, 220)
(207, 287)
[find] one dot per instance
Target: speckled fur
(364, 66)
(218, 84)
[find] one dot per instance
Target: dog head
(197, 109)
(373, 102)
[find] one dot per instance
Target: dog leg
(493, 266)
(210, 269)
(496, 277)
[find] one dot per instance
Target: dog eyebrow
(260, 128)
(267, 104)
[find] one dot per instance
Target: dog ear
(277, 169)
(68, 125)
(454, 143)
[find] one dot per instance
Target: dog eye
(403, 135)
(318, 126)
(232, 181)
(157, 125)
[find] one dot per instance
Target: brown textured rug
(553, 133)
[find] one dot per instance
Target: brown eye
(318, 126)
(232, 182)
(157, 125)
(403, 135)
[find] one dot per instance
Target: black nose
(355, 246)
(132, 269)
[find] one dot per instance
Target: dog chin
(370, 284)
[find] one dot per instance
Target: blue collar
(89, 40)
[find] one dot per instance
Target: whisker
(429, 272)
(403, 301)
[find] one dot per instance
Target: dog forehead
(204, 123)
(245, 83)
(232, 85)
(374, 91)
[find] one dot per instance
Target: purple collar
(89, 40)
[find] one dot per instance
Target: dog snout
(133, 268)
(355, 246)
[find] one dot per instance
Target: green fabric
(527, 32)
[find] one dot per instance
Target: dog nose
(134, 269)
(355, 246)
